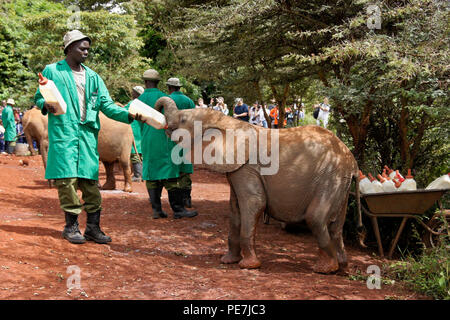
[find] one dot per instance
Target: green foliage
(428, 274)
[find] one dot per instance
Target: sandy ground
(157, 259)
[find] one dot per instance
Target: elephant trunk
(170, 111)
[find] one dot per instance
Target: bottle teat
(381, 178)
(397, 183)
(42, 80)
(388, 170)
(361, 175)
(409, 176)
(371, 177)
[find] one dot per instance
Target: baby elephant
(297, 174)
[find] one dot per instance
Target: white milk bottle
(377, 187)
(409, 183)
(387, 185)
(51, 95)
(440, 183)
(365, 186)
(150, 116)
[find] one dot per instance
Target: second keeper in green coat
(158, 168)
(183, 102)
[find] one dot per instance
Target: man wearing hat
(158, 168)
(136, 157)
(183, 102)
(9, 123)
(73, 137)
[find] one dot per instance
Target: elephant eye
(183, 120)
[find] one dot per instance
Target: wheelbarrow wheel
(437, 225)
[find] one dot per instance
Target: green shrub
(428, 274)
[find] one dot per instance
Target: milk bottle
(51, 95)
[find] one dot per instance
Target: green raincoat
(136, 133)
(156, 145)
(9, 123)
(183, 102)
(72, 143)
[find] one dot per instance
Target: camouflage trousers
(68, 197)
(182, 182)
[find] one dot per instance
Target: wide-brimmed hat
(174, 82)
(72, 36)
(139, 89)
(151, 74)
(10, 102)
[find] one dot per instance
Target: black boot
(137, 172)
(176, 199)
(71, 231)
(93, 231)
(155, 200)
(187, 198)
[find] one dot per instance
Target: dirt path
(156, 259)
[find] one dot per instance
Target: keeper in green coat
(158, 168)
(136, 158)
(9, 123)
(73, 159)
(183, 102)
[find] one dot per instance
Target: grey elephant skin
(312, 183)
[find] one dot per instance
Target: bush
(428, 274)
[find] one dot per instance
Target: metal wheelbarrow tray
(406, 204)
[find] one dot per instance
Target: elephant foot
(230, 258)
(127, 188)
(109, 186)
(250, 263)
(325, 264)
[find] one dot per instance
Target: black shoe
(71, 231)
(155, 200)
(187, 198)
(93, 231)
(176, 200)
(137, 172)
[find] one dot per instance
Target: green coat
(183, 102)
(9, 123)
(73, 144)
(136, 133)
(156, 145)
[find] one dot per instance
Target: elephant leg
(234, 247)
(337, 238)
(125, 164)
(316, 217)
(251, 202)
(29, 139)
(110, 183)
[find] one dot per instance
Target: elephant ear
(226, 143)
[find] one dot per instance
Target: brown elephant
(114, 144)
(312, 181)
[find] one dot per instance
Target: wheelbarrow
(405, 204)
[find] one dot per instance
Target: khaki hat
(72, 36)
(139, 89)
(151, 74)
(10, 102)
(174, 82)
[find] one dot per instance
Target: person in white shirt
(324, 113)
(201, 104)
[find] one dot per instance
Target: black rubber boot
(137, 172)
(155, 200)
(187, 198)
(93, 231)
(176, 200)
(71, 231)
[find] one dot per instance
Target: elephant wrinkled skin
(114, 144)
(312, 183)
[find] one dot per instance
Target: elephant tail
(361, 230)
